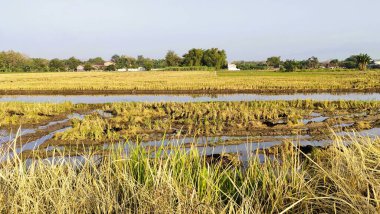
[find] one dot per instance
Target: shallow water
(315, 120)
(372, 133)
(245, 150)
(8, 137)
(220, 140)
(35, 144)
(92, 99)
(343, 125)
(187, 140)
(76, 161)
(52, 124)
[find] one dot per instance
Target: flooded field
(210, 127)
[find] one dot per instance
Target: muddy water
(10, 136)
(90, 99)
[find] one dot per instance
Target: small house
(80, 68)
(98, 67)
(375, 64)
(137, 69)
(232, 67)
(108, 63)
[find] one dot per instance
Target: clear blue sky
(246, 29)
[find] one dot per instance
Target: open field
(188, 82)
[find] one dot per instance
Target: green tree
(334, 63)
(350, 62)
(39, 64)
(274, 61)
(72, 63)
(312, 63)
(250, 65)
(88, 67)
(148, 64)
(11, 61)
(110, 68)
(290, 65)
(159, 63)
(140, 61)
(96, 61)
(131, 62)
(362, 61)
(303, 64)
(193, 57)
(57, 65)
(172, 59)
(123, 61)
(120, 62)
(115, 58)
(215, 58)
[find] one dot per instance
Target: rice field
(80, 126)
(137, 157)
(188, 82)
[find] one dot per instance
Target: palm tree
(363, 60)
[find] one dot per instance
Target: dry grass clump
(92, 127)
(18, 113)
(362, 125)
(339, 179)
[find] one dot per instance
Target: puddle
(247, 150)
(3, 133)
(187, 140)
(93, 99)
(51, 148)
(76, 116)
(35, 144)
(8, 137)
(315, 120)
(52, 124)
(220, 140)
(372, 133)
(75, 160)
(11, 136)
(315, 114)
(343, 125)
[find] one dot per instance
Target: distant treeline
(361, 61)
(205, 59)
(194, 59)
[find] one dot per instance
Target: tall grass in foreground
(335, 180)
